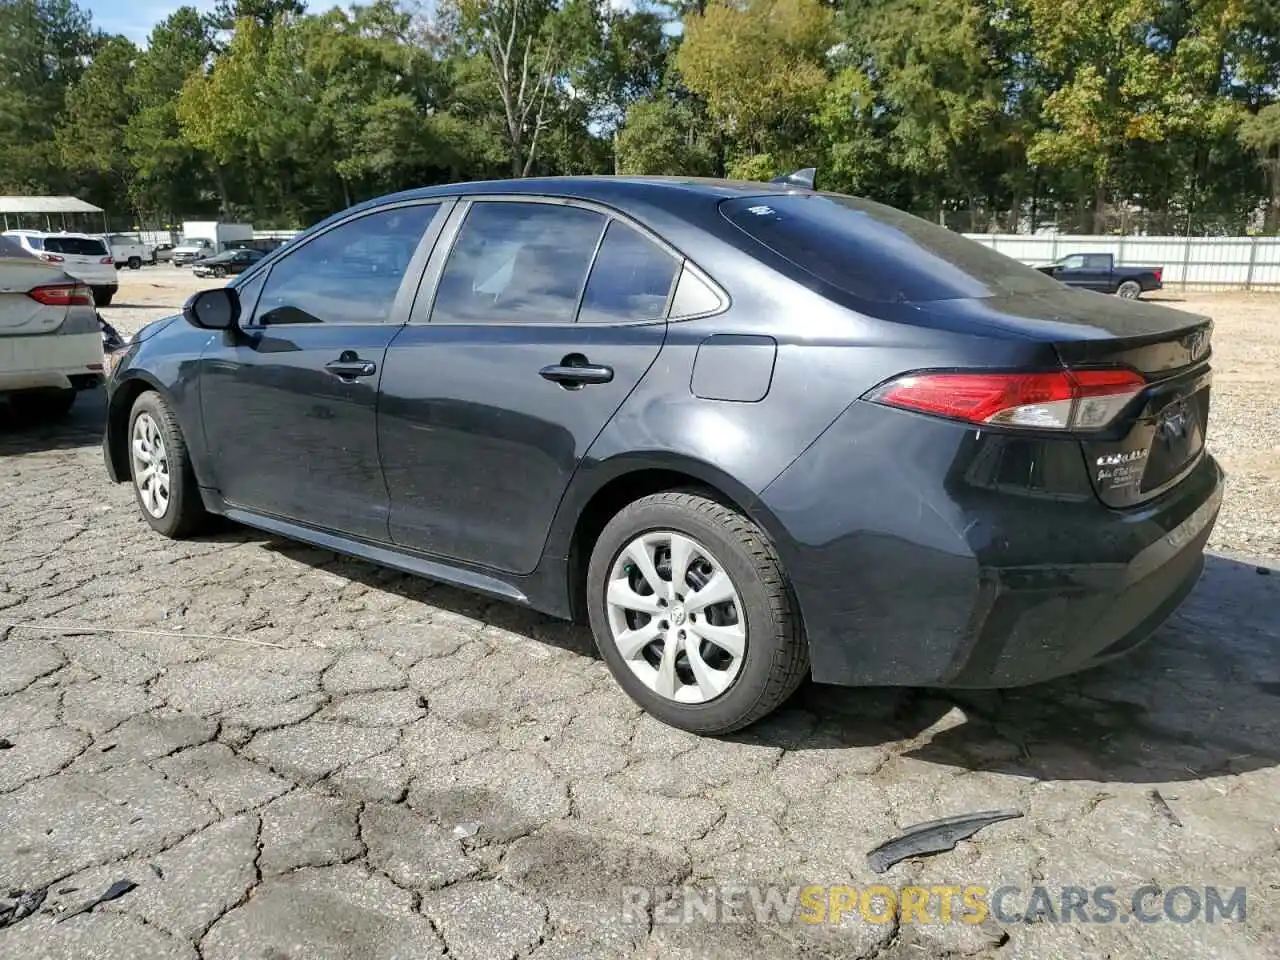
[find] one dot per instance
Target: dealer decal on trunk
(1122, 469)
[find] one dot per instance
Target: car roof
(53, 233)
(677, 194)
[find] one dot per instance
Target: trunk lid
(1161, 435)
(19, 314)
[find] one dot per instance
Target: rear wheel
(135, 263)
(164, 482)
(102, 296)
(36, 405)
(691, 611)
(1129, 290)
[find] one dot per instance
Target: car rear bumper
(917, 562)
(57, 360)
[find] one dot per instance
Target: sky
(135, 18)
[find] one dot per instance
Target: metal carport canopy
(47, 207)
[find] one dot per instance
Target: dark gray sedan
(749, 432)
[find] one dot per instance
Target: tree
(263, 12)
(44, 45)
(661, 137)
(761, 68)
(91, 137)
(524, 46)
(170, 174)
(1261, 134)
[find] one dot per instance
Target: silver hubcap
(150, 465)
(675, 617)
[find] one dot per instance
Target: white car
(50, 337)
(82, 256)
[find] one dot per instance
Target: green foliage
(43, 46)
(661, 137)
(1094, 114)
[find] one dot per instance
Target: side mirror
(216, 309)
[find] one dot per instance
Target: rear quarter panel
(828, 355)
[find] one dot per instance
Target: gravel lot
(305, 756)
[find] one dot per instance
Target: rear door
(534, 323)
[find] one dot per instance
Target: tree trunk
(1100, 208)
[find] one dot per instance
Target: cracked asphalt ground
(394, 768)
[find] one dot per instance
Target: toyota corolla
(750, 433)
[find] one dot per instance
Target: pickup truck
(1098, 271)
(129, 251)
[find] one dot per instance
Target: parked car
(164, 252)
(1097, 271)
(189, 250)
(84, 257)
(130, 252)
(227, 264)
(50, 341)
(748, 432)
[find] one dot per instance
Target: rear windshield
(76, 246)
(878, 253)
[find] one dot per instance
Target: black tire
(219, 272)
(40, 405)
(1129, 290)
(135, 263)
(776, 657)
(185, 513)
(102, 296)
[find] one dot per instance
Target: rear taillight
(51, 258)
(107, 260)
(62, 295)
(1061, 400)
(1159, 272)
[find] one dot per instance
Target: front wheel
(219, 272)
(164, 482)
(1129, 290)
(135, 263)
(692, 613)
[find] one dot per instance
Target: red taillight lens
(62, 295)
(1061, 400)
(1159, 274)
(107, 260)
(51, 258)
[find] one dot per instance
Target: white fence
(1248, 263)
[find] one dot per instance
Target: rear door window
(76, 246)
(518, 263)
(878, 253)
(630, 281)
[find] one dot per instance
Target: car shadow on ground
(81, 427)
(1200, 698)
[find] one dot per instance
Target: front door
(545, 318)
(289, 400)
